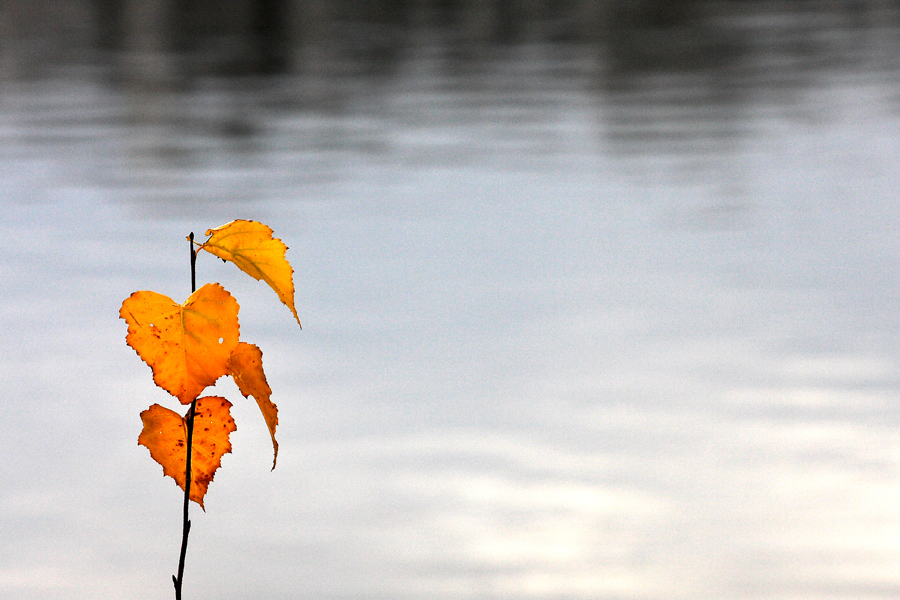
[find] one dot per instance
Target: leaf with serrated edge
(165, 435)
(187, 346)
(245, 366)
(251, 247)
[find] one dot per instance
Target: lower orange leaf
(165, 435)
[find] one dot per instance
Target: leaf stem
(186, 524)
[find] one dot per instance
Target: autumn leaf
(252, 248)
(165, 435)
(188, 345)
(245, 366)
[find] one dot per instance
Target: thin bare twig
(186, 527)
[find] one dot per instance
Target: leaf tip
(275, 459)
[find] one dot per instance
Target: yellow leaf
(245, 366)
(188, 345)
(165, 435)
(252, 248)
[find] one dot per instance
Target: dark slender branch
(187, 498)
(193, 263)
(186, 527)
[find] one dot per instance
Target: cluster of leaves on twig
(190, 346)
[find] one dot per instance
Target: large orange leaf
(188, 345)
(245, 366)
(252, 248)
(165, 435)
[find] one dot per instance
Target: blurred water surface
(581, 320)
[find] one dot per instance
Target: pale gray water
(565, 335)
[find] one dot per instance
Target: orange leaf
(252, 248)
(245, 366)
(188, 345)
(165, 435)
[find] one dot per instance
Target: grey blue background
(599, 300)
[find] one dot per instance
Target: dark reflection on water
(683, 80)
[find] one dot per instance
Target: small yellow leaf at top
(250, 246)
(165, 436)
(245, 366)
(187, 346)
